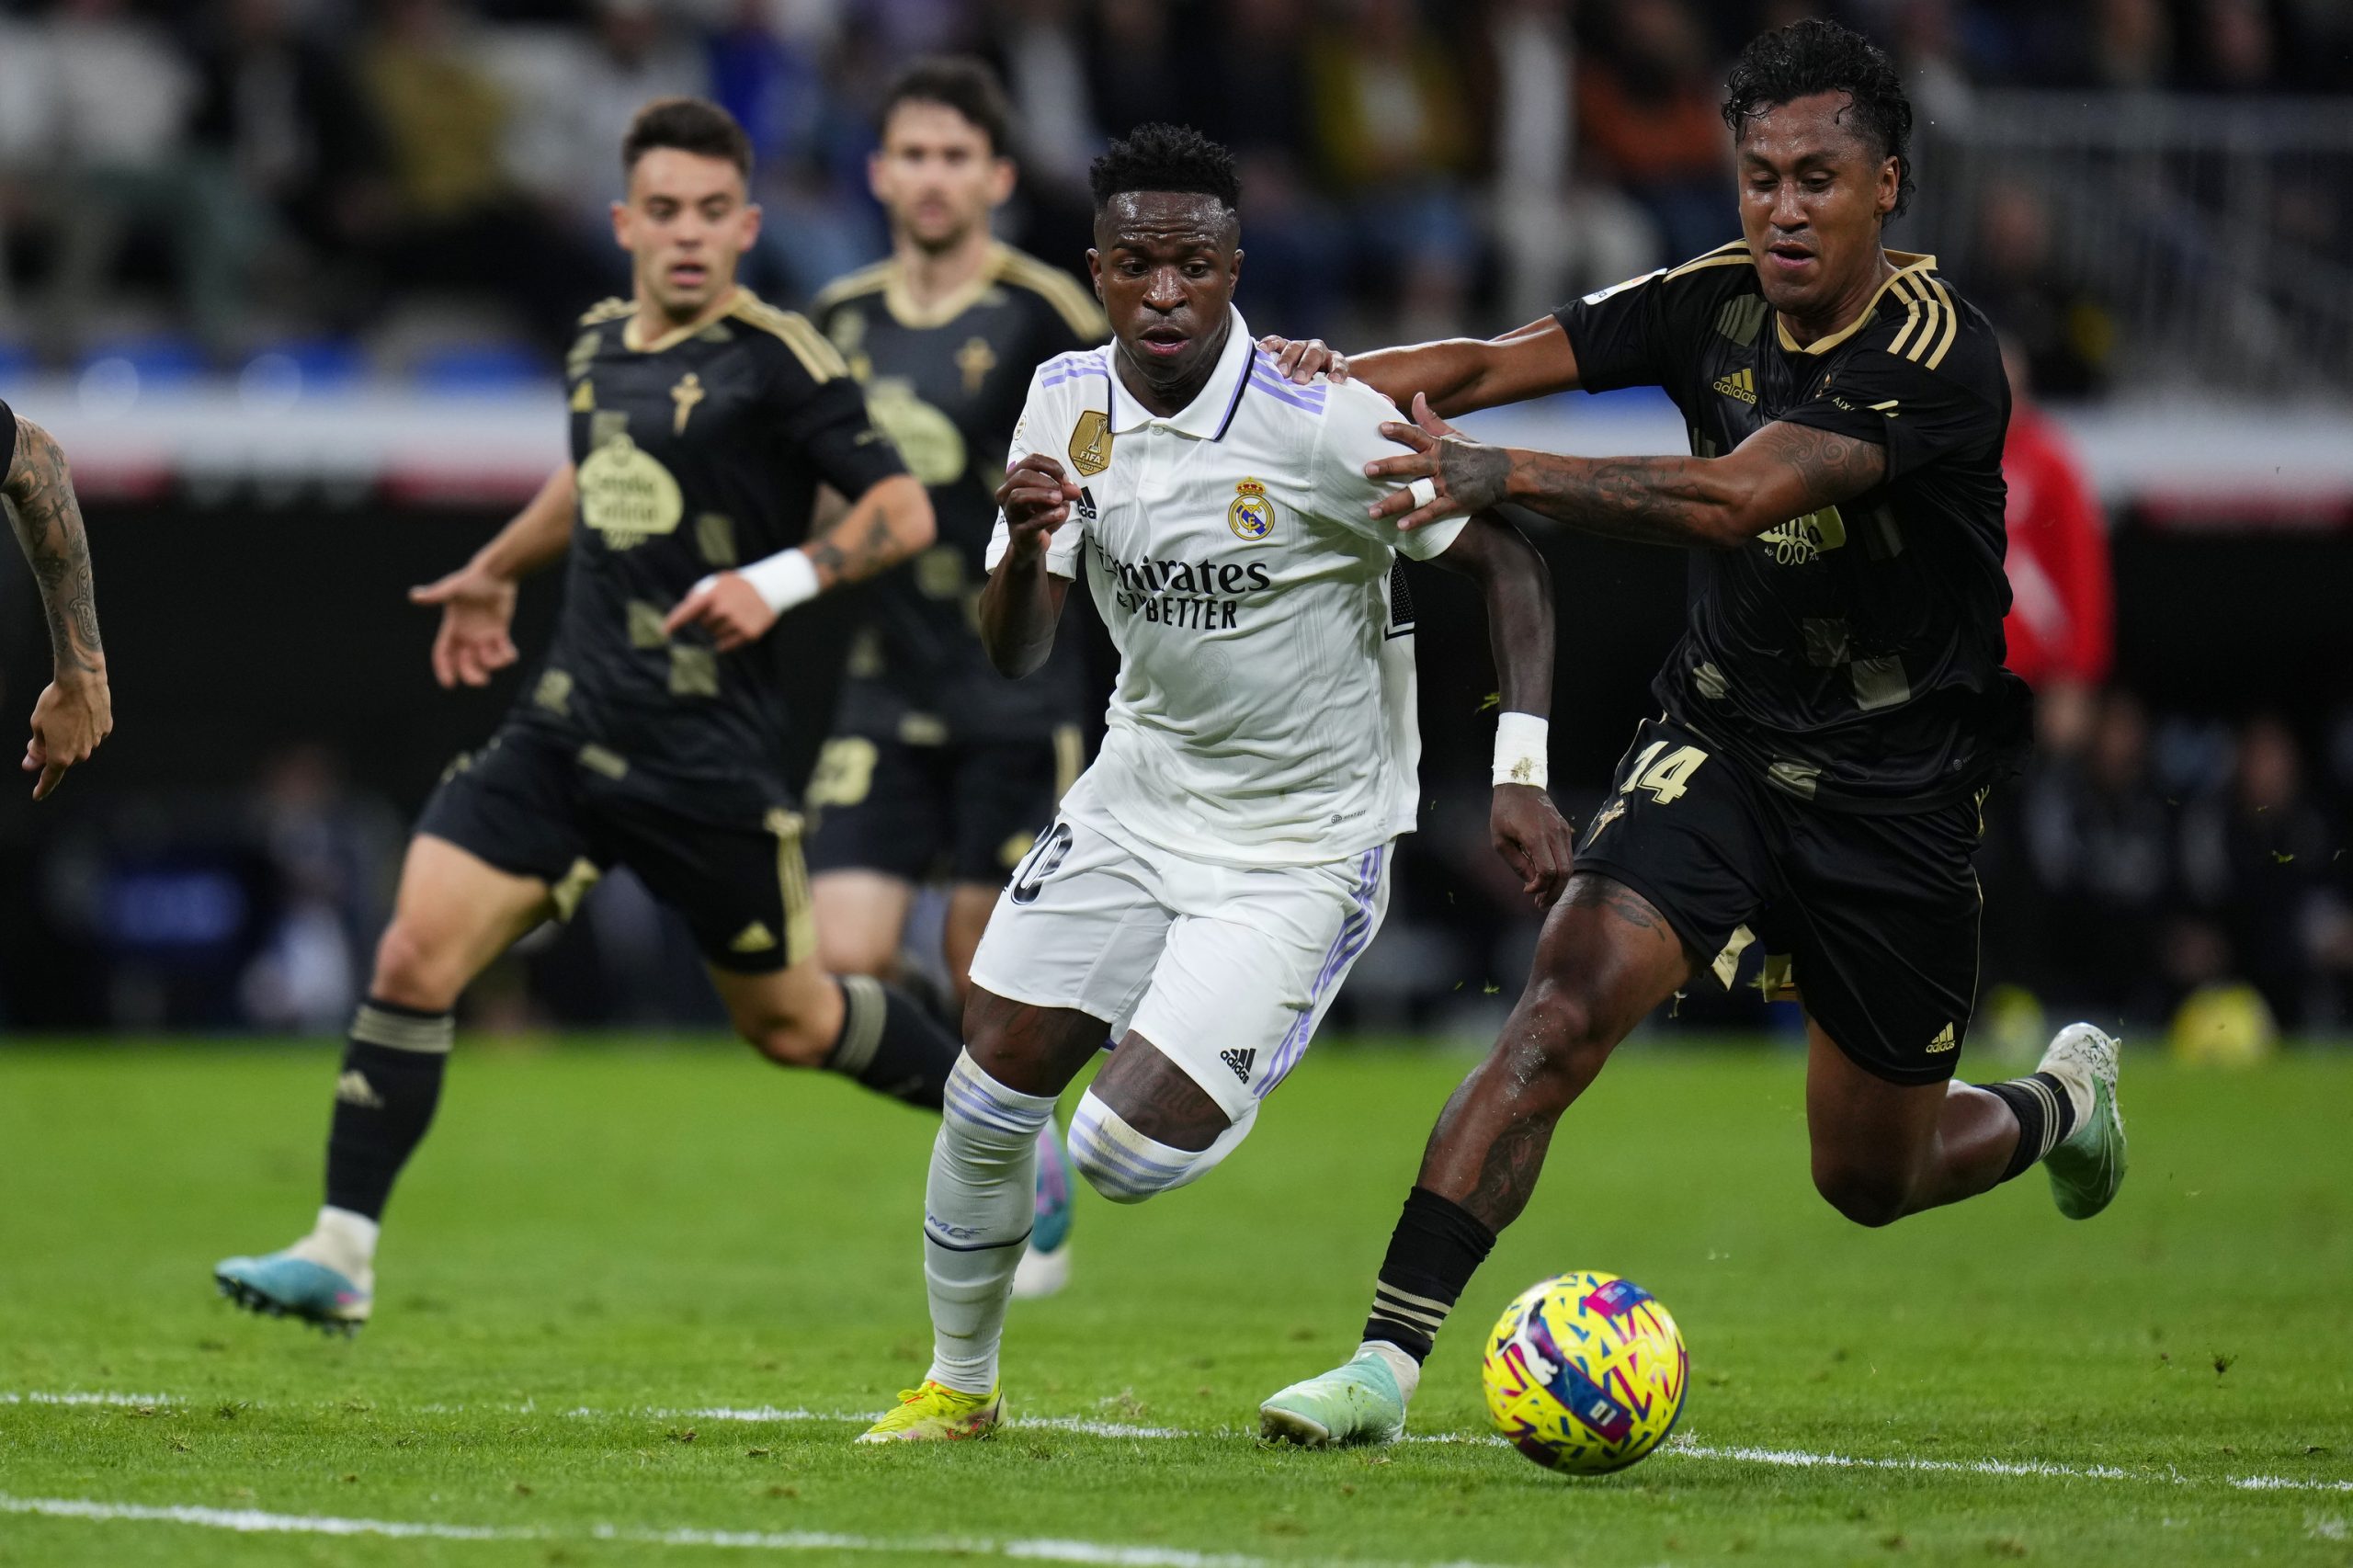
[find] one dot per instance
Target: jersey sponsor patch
(626, 494)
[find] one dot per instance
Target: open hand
(477, 609)
(1464, 476)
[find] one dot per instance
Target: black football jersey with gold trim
(1853, 656)
(694, 453)
(947, 383)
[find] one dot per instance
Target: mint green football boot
(2088, 1165)
(1360, 1403)
(284, 1284)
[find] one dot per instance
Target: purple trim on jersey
(1240, 383)
(1355, 932)
(1072, 367)
(1262, 371)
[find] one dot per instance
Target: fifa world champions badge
(1090, 443)
(1252, 515)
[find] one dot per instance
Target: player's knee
(784, 1039)
(1561, 1029)
(415, 971)
(1119, 1161)
(1867, 1197)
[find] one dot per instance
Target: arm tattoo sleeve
(861, 544)
(47, 521)
(1696, 501)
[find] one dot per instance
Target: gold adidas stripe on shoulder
(604, 311)
(1952, 319)
(1902, 285)
(817, 357)
(871, 278)
(1731, 254)
(1059, 288)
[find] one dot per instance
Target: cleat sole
(1291, 1426)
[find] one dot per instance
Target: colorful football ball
(1584, 1373)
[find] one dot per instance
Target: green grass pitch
(605, 1246)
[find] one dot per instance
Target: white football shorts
(1226, 971)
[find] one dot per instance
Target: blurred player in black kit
(939, 767)
(702, 424)
(1833, 718)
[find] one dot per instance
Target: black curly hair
(1166, 157)
(1815, 56)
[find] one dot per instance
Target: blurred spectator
(1647, 110)
(2131, 44)
(1389, 129)
(1556, 236)
(2065, 333)
(1254, 103)
(2256, 866)
(329, 852)
(2061, 628)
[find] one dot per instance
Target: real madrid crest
(1252, 515)
(1090, 442)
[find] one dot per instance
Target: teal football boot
(1045, 1263)
(283, 1284)
(2087, 1166)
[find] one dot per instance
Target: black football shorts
(960, 812)
(1871, 921)
(533, 806)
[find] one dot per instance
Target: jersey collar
(1211, 414)
(1903, 261)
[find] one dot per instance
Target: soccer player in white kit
(1211, 877)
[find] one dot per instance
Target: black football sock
(384, 1101)
(2045, 1112)
(890, 1044)
(1437, 1245)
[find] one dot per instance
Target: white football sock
(344, 1242)
(977, 1208)
(1408, 1371)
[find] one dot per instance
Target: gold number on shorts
(845, 772)
(1667, 778)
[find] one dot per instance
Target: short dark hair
(1815, 56)
(957, 81)
(689, 125)
(1166, 157)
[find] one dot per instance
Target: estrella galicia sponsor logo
(1188, 595)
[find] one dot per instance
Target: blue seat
(475, 369)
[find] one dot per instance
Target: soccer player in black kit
(939, 767)
(702, 424)
(1834, 715)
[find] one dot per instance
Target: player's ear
(1891, 183)
(874, 166)
(751, 224)
(1094, 271)
(622, 224)
(1001, 178)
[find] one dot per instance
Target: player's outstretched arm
(477, 600)
(1784, 470)
(889, 523)
(1022, 601)
(77, 709)
(1459, 375)
(1528, 829)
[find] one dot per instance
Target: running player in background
(1210, 881)
(939, 766)
(702, 424)
(75, 710)
(1834, 716)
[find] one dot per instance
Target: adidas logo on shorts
(1240, 1061)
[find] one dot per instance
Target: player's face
(935, 176)
(686, 223)
(1164, 267)
(1813, 192)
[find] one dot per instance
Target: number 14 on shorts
(1666, 776)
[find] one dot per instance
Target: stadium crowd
(368, 182)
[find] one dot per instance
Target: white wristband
(1520, 750)
(783, 579)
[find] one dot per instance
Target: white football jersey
(1265, 712)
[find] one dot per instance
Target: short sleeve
(829, 422)
(1619, 333)
(1352, 439)
(1063, 544)
(1919, 415)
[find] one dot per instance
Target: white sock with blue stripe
(977, 1208)
(1126, 1166)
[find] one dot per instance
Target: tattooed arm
(891, 522)
(76, 711)
(1784, 470)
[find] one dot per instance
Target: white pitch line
(1677, 1447)
(256, 1521)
